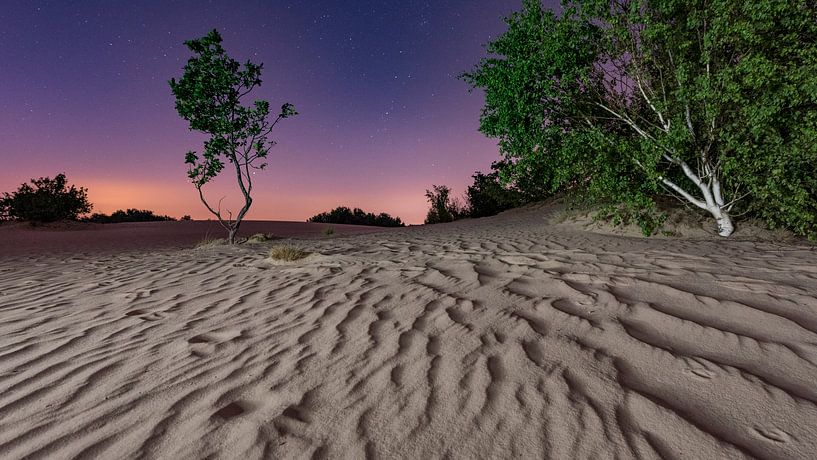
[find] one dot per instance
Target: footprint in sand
(204, 345)
(772, 434)
(700, 373)
(215, 337)
(234, 409)
(147, 315)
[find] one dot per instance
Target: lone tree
(209, 97)
(443, 208)
(711, 102)
(49, 200)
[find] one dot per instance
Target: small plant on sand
(287, 253)
(210, 241)
(260, 238)
(329, 231)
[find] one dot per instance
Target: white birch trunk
(713, 197)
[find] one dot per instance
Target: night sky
(83, 90)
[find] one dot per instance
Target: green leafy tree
(487, 196)
(711, 102)
(209, 96)
(443, 207)
(46, 200)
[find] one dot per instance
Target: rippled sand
(493, 338)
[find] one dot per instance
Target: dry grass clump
(287, 253)
(210, 242)
(261, 238)
(329, 231)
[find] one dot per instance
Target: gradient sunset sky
(83, 90)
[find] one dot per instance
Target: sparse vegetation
(261, 238)
(356, 216)
(45, 200)
(329, 231)
(287, 253)
(210, 241)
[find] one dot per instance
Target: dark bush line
(356, 216)
(130, 215)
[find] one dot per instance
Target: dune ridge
(492, 338)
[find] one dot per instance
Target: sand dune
(80, 237)
(493, 338)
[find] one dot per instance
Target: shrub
(487, 196)
(356, 216)
(130, 215)
(45, 200)
(443, 207)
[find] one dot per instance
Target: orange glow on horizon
(180, 199)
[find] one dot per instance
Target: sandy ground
(493, 338)
(23, 239)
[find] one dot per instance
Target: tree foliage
(45, 200)
(209, 97)
(356, 216)
(443, 208)
(488, 196)
(712, 102)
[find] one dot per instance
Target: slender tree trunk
(232, 233)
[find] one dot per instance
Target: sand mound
(492, 338)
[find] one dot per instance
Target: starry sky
(83, 90)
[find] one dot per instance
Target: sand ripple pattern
(487, 339)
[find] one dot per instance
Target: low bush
(356, 216)
(130, 215)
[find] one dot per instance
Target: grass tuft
(287, 253)
(261, 238)
(210, 242)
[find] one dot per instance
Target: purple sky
(83, 90)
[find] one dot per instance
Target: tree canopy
(45, 200)
(443, 207)
(711, 102)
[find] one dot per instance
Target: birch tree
(640, 95)
(209, 97)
